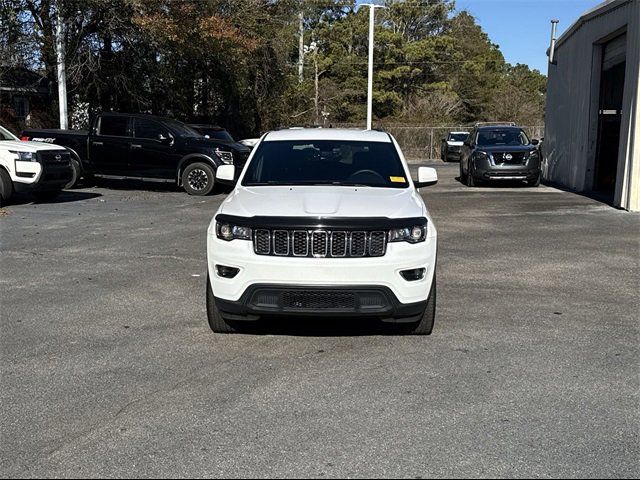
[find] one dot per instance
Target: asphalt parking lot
(109, 367)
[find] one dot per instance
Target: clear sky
(522, 28)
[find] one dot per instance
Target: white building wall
(573, 91)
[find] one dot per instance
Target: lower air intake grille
(319, 300)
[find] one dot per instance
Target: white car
(323, 222)
(451, 146)
(41, 168)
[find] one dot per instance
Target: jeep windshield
(326, 162)
(504, 136)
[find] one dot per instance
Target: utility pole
(313, 48)
(301, 46)
(62, 74)
(372, 8)
(315, 63)
(552, 45)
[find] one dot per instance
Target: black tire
(463, 177)
(47, 195)
(425, 325)
(470, 181)
(77, 173)
(6, 187)
(216, 322)
(198, 179)
(536, 182)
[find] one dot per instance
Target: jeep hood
(321, 201)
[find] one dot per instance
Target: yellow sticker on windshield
(397, 179)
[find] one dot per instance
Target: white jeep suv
(323, 222)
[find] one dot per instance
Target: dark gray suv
(499, 153)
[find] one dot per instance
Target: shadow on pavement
(497, 184)
(149, 186)
(139, 185)
(66, 196)
(322, 327)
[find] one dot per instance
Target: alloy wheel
(198, 179)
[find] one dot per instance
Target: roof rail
(487, 124)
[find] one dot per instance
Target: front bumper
(35, 176)
(485, 170)
(453, 155)
(378, 272)
(344, 301)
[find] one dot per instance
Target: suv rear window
(458, 137)
(114, 126)
(326, 162)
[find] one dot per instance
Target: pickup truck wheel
(216, 322)
(6, 187)
(77, 173)
(198, 179)
(425, 325)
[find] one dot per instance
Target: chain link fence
(420, 143)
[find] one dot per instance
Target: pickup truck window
(7, 135)
(114, 126)
(181, 129)
(326, 162)
(148, 129)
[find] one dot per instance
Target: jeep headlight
(225, 157)
(228, 232)
(415, 234)
(25, 156)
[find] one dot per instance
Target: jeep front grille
(320, 243)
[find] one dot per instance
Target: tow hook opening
(414, 274)
(226, 272)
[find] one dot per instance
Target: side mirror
(226, 174)
(427, 176)
(535, 141)
(165, 139)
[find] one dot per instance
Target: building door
(610, 117)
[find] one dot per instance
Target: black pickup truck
(146, 147)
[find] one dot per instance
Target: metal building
(592, 126)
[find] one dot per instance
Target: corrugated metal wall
(571, 123)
